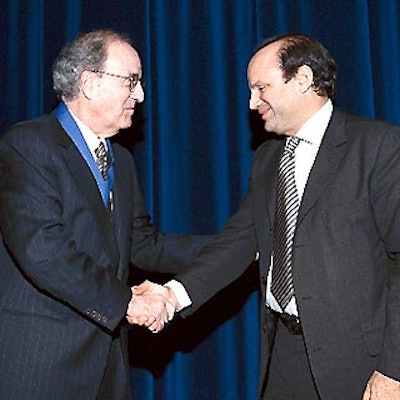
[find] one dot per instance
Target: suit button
(104, 320)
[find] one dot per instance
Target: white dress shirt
(93, 142)
(89, 136)
(310, 135)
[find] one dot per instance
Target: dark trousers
(115, 383)
(289, 373)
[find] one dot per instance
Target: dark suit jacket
(64, 263)
(346, 253)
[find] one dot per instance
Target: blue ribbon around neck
(71, 128)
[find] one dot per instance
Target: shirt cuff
(180, 293)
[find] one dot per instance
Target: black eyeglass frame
(133, 79)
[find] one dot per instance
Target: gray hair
(88, 52)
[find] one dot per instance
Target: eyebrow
(257, 84)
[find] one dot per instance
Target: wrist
(179, 293)
(172, 298)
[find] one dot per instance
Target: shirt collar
(314, 129)
(89, 136)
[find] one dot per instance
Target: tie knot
(101, 150)
(291, 145)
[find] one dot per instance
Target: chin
(108, 135)
(126, 124)
(268, 127)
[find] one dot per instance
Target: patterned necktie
(285, 223)
(103, 160)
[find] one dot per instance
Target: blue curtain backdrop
(193, 138)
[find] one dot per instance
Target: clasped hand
(382, 387)
(152, 305)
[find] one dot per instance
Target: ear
(304, 78)
(87, 84)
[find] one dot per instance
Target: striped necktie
(285, 223)
(102, 160)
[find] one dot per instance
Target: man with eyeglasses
(72, 219)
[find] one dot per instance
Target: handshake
(152, 305)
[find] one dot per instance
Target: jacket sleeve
(230, 253)
(385, 198)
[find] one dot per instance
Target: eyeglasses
(133, 79)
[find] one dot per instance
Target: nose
(254, 101)
(138, 93)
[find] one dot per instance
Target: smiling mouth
(264, 111)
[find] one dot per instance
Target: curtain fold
(193, 138)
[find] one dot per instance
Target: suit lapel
(272, 180)
(87, 186)
(120, 208)
(265, 197)
(326, 164)
(83, 177)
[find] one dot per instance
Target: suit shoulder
(121, 150)
(123, 158)
(42, 128)
(367, 126)
(370, 138)
(122, 153)
(269, 146)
